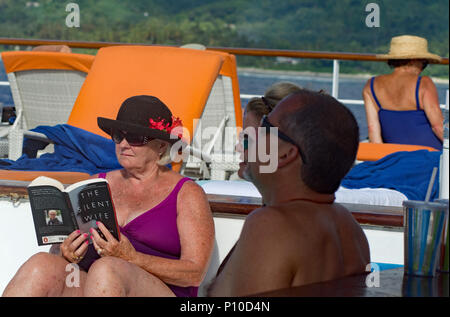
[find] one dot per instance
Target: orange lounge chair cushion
(19, 61)
(376, 151)
(181, 78)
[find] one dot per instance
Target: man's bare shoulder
(285, 214)
(304, 222)
(277, 225)
(319, 235)
(303, 219)
(266, 218)
(302, 239)
(262, 240)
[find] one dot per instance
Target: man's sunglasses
(245, 141)
(133, 139)
(266, 124)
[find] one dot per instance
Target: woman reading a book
(166, 226)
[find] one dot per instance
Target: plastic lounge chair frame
(44, 86)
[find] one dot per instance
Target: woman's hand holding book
(75, 246)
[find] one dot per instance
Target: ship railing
(336, 57)
(249, 96)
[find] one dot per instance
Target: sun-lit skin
(122, 270)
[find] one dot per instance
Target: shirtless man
(300, 236)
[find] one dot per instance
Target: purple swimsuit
(155, 233)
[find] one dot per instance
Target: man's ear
(287, 154)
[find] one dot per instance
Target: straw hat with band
(146, 116)
(409, 47)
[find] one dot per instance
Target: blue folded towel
(76, 150)
(406, 172)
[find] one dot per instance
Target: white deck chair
(216, 133)
(44, 87)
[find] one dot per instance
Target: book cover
(57, 212)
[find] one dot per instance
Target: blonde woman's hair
(275, 93)
(261, 106)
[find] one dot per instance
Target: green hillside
(320, 25)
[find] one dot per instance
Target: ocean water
(255, 83)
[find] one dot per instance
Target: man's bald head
(327, 133)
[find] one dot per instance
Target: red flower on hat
(158, 125)
(166, 127)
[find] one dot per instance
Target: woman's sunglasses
(266, 124)
(133, 139)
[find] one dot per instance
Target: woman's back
(403, 107)
(398, 99)
(397, 91)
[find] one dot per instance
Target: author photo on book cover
(53, 217)
(166, 226)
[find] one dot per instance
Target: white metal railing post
(335, 83)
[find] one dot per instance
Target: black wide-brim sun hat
(142, 115)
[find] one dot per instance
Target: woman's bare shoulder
(192, 202)
(426, 82)
(192, 189)
(367, 86)
(381, 80)
(193, 194)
